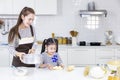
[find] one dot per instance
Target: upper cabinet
(46, 7)
(41, 7)
(18, 5)
(5, 6)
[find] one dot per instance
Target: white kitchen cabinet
(6, 7)
(4, 57)
(46, 7)
(81, 57)
(18, 5)
(104, 55)
(117, 54)
(41, 7)
(63, 54)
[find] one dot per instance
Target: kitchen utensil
(17, 68)
(32, 59)
(3, 32)
(20, 71)
(6, 25)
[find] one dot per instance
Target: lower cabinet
(117, 54)
(81, 57)
(77, 56)
(104, 55)
(63, 55)
(4, 57)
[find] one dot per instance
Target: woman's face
(51, 49)
(28, 20)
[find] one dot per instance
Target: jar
(60, 40)
(69, 40)
(64, 40)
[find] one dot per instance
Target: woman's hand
(20, 55)
(31, 51)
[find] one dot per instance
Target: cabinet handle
(118, 57)
(106, 50)
(118, 49)
(106, 58)
(80, 50)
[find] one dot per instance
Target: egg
(70, 68)
(57, 68)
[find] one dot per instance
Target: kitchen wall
(68, 19)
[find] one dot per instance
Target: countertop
(70, 46)
(6, 73)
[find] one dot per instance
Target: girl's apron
(24, 45)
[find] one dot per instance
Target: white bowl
(32, 59)
(20, 71)
(113, 65)
(97, 72)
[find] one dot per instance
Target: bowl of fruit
(113, 65)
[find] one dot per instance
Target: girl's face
(28, 20)
(51, 49)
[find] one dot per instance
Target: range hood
(92, 11)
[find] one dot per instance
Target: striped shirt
(24, 33)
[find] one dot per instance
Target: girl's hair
(48, 42)
(14, 31)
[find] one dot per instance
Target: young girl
(49, 54)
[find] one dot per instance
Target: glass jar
(60, 40)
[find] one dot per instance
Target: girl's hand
(50, 67)
(20, 55)
(43, 65)
(62, 66)
(31, 51)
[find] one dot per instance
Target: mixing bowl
(32, 59)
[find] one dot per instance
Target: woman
(21, 37)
